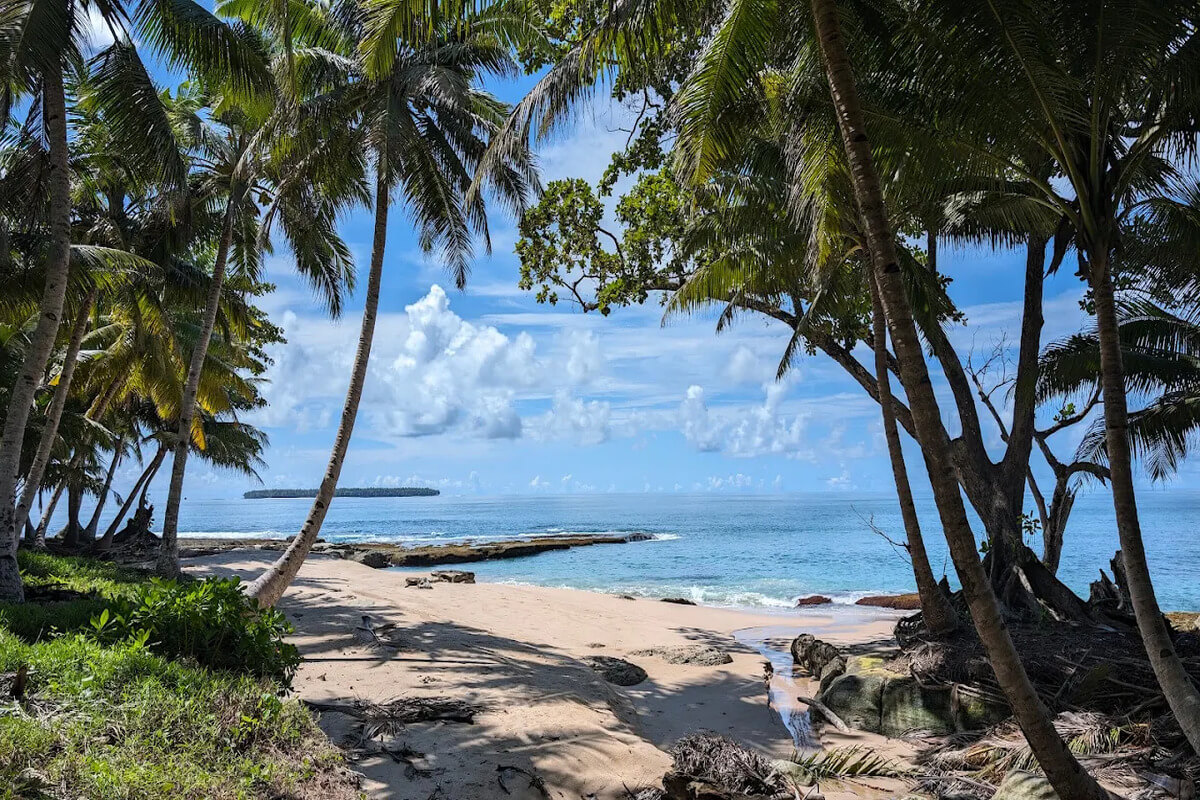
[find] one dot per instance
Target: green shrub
(211, 621)
(118, 721)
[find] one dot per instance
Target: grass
(118, 721)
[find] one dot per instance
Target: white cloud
(741, 431)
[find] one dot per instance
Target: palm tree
(40, 42)
(424, 124)
(1112, 105)
(1069, 780)
(235, 148)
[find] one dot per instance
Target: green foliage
(117, 720)
(211, 621)
(848, 763)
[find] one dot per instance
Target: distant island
(371, 491)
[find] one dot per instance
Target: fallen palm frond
(990, 757)
(849, 763)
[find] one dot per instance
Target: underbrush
(133, 689)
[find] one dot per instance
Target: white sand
(515, 651)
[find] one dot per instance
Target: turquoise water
(736, 550)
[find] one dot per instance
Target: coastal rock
(820, 659)
(376, 559)
(903, 602)
(452, 576)
(1020, 785)
(616, 670)
(795, 773)
(870, 697)
(418, 583)
(679, 601)
(814, 600)
(698, 654)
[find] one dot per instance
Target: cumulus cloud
(573, 419)
(431, 372)
(758, 430)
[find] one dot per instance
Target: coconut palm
(1113, 106)
(41, 42)
(423, 122)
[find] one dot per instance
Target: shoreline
(522, 656)
(415, 560)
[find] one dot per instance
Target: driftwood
(824, 711)
(391, 717)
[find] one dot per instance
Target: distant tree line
(370, 491)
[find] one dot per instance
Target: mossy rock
(857, 694)
(972, 713)
(909, 706)
(1019, 785)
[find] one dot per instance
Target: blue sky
(485, 391)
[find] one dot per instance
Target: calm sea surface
(737, 550)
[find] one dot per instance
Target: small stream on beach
(772, 643)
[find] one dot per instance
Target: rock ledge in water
(814, 600)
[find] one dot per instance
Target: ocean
(751, 551)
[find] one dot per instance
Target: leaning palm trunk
(41, 342)
(54, 413)
(144, 479)
(936, 611)
(270, 586)
(168, 553)
(138, 493)
(1065, 774)
(39, 536)
(1178, 689)
(89, 533)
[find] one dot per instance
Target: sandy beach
(518, 653)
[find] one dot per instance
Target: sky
(484, 391)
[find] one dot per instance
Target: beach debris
(813, 600)
(452, 576)
(617, 671)
(536, 782)
(822, 709)
(699, 654)
(380, 719)
(679, 601)
(708, 765)
(384, 637)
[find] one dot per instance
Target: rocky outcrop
(616, 670)
(452, 576)
(698, 654)
(902, 602)
(820, 659)
(386, 554)
(679, 601)
(376, 559)
(866, 695)
(813, 600)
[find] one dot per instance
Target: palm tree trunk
(168, 553)
(41, 342)
(54, 413)
(270, 586)
(936, 611)
(1069, 780)
(74, 500)
(1178, 689)
(39, 537)
(89, 532)
(143, 479)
